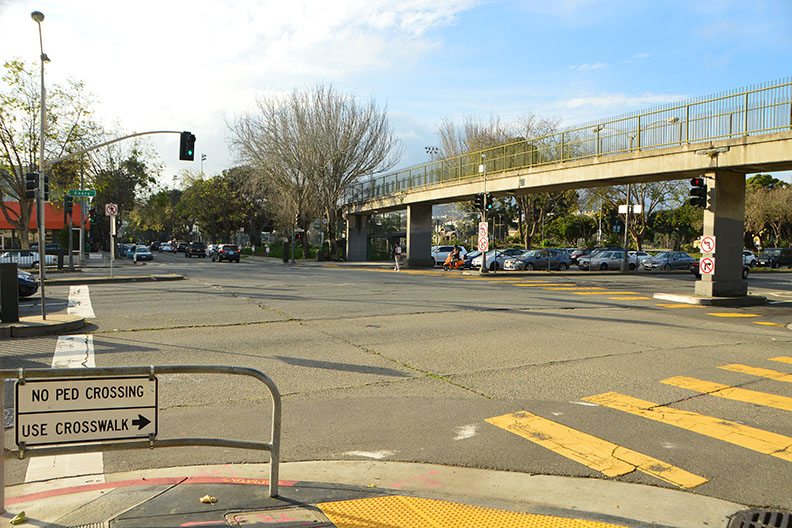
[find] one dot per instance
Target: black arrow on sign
(141, 422)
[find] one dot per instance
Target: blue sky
(195, 65)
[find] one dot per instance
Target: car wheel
(745, 272)
(667, 267)
(632, 266)
(434, 263)
(529, 266)
(494, 266)
(604, 267)
(563, 266)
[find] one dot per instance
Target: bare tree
(310, 146)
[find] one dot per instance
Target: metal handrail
(742, 112)
(273, 446)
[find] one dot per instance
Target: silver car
(668, 260)
(538, 259)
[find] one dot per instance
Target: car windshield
(663, 255)
(772, 252)
(229, 248)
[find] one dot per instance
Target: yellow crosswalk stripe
(765, 323)
(607, 293)
(598, 454)
(562, 287)
(782, 359)
(716, 314)
(676, 305)
(537, 285)
(731, 393)
(756, 371)
(765, 442)
(629, 298)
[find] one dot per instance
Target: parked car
(211, 249)
(668, 260)
(227, 252)
(154, 246)
(181, 247)
(775, 258)
(584, 260)
(166, 247)
(197, 249)
(440, 253)
(609, 260)
(577, 253)
(141, 253)
(538, 259)
(50, 248)
(469, 258)
(28, 284)
(694, 269)
(27, 259)
(748, 258)
(496, 258)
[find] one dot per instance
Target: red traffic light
(698, 182)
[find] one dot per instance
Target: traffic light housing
(187, 146)
(31, 184)
(478, 200)
(490, 201)
(46, 188)
(698, 192)
(68, 203)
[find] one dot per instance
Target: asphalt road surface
(551, 373)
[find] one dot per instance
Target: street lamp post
(483, 270)
(38, 17)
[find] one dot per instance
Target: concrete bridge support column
(419, 235)
(724, 218)
(357, 238)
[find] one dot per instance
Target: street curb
(35, 325)
(108, 280)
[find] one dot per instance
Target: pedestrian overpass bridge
(722, 137)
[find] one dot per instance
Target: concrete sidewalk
(355, 493)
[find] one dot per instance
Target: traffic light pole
(100, 145)
(483, 270)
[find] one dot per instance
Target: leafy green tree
(765, 181)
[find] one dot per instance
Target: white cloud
(588, 67)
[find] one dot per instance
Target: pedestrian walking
(397, 252)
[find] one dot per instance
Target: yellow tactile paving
(726, 314)
(782, 359)
(756, 371)
(731, 393)
(765, 442)
(598, 454)
(396, 511)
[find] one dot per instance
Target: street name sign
(62, 411)
(82, 193)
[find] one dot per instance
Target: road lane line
(756, 371)
(606, 457)
(758, 440)
(731, 393)
(676, 305)
(782, 359)
(717, 314)
(72, 351)
(629, 298)
(540, 284)
(80, 302)
(574, 288)
(607, 293)
(766, 323)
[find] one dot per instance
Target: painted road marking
(765, 323)
(578, 288)
(732, 315)
(73, 351)
(756, 371)
(765, 442)
(80, 302)
(629, 298)
(782, 359)
(607, 293)
(731, 393)
(539, 284)
(676, 305)
(598, 454)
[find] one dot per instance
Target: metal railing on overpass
(758, 110)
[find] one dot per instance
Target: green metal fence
(757, 110)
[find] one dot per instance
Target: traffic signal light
(92, 216)
(187, 146)
(31, 184)
(68, 203)
(478, 200)
(698, 192)
(490, 201)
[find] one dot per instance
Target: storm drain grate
(761, 519)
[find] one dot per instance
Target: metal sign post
(483, 170)
(111, 210)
